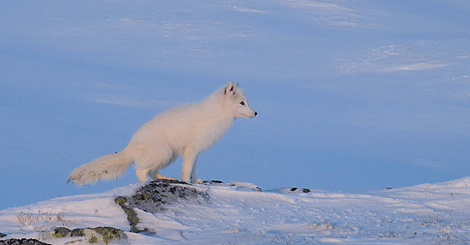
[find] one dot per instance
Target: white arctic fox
(182, 131)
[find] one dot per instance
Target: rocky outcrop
(22, 241)
(155, 196)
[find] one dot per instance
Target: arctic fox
(182, 131)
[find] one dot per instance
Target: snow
(353, 96)
(238, 213)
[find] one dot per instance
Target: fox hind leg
(142, 174)
(154, 174)
(151, 158)
(161, 176)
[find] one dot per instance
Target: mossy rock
(93, 239)
(77, 232)
(97, 234)
(120, 200)
(156, 196)
(131, 214)
(60, 232)
(108, 233)
(22, 241)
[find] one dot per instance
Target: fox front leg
(189, 165)
(195, 179)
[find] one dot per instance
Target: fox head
(236, 100)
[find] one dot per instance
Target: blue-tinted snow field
(353, 96)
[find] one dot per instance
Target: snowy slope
(352, 95)
(423, 214)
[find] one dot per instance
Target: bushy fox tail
(106, 167)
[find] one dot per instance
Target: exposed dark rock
(22, 241)
(107, 233)
(2, 235)
(77, 232)
(60, 232)
(213, 182)
(156, 196)
(296, 190)
(131, 214)
(220, 183)
(159, 194)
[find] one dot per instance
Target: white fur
(182, 131)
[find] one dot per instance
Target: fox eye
(242, 103)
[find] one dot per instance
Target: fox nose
(256, 113)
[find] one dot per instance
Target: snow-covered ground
(352, 95)
(422, 214)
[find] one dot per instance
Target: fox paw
(196, 181)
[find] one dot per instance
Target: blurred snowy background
(352, 95)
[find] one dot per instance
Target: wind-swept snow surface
(352, 95)
(239, 213)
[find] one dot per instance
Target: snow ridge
(243, 214)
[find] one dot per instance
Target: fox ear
(230, 88)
